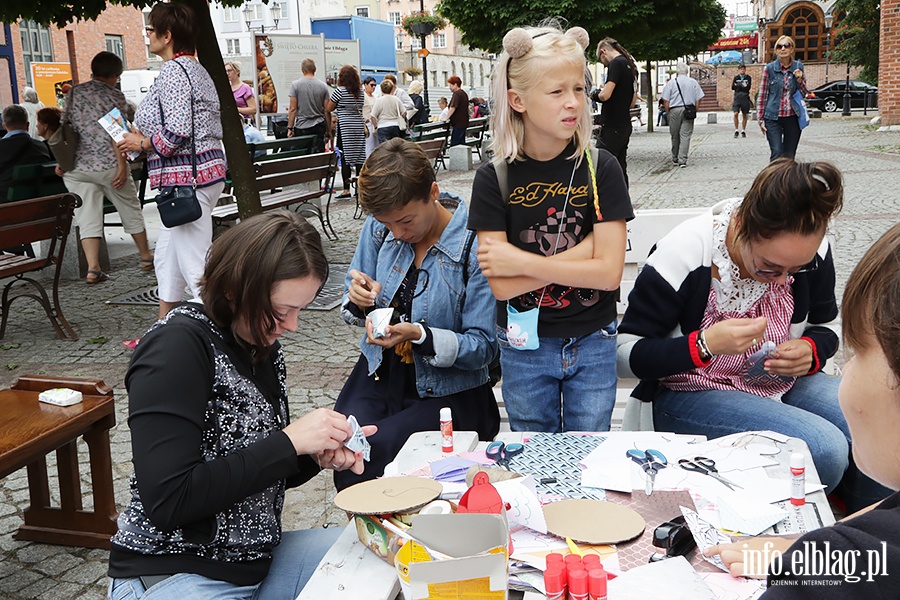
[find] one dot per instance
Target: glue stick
(578, 585)
(597, 583)
(555, 582)
(798, 479)
(446, 430)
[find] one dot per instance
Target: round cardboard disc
(388, 495)
(592, 521)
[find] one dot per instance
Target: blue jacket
(776, 87)
(461, 317)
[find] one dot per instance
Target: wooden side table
(29, 430)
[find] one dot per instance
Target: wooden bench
(428, 132)
(475, 134)
(434, 150)
(29, 430)
(26, 222)
(283, 172)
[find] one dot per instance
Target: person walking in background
(681, 91)
(741, 104)
(551, 236)
(416, 257)
(214, 447)
(388, 113)
(243, 93)
(100, 169)
(183, 102)
(347, 101)
(32, 105)
(458, 113)
(369, 85)
(306, 114)
(617, 96)
(776, 107)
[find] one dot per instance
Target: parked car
(830, 96)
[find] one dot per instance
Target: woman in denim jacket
(416, 256)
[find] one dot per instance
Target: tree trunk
(240, 164)
(650, 105)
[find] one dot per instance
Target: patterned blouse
(165, 116)
(85, 104)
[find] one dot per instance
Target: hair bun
(581, 36)
(517, 42)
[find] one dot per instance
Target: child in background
(445, 109)
(553, 245)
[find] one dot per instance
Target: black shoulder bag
(178, 204)
(690, 110)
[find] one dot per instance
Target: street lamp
(249, 14)
(846, 111)
(829, 21)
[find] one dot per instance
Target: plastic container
(446, 430)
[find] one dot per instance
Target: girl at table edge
(870, 399)
(411, 254)
(213, 445)
(719, 285)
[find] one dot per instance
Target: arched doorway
(805, 23)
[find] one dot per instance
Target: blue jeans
(809, 411)
(568, 384)
(783, 136)
(293, 563)
(388, 133)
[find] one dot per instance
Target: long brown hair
(349, 78)
(871, 306)
(248, 259)
(790, 197)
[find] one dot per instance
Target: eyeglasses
(773, 274)
(372, 83)
(781, 46)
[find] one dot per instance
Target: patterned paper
(556, 456)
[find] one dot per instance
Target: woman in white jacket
(388, 113)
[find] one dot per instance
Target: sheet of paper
(724, 586)
(523, 506)
(381, 318)
(799, 519)
(673, 579)
(357, 440)
(757, 484)
(554, 460)
(452, 468)
(705, 535)
(746, 515)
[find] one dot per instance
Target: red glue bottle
(597, 584)
(578, 585)
(555, 582)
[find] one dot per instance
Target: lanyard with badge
(522, 326)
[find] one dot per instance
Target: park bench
(475, 134)
(318, 169)
(430, 132)
(30, 430)
(284, 148)
(26, 222)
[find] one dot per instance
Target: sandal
(98, 277)
(344, 196)
(146, 264)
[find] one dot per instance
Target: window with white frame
(256, 13)
(394, 17)
(398, 41)
(231, 14)
(415, 43)
(362, 11)
(439, 40)
(233, 46)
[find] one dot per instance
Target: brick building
(889, 63)
(118, 29)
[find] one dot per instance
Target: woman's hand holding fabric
(363, 289)
(794, 359)
(319, 431)
(393, 334)
(501, 259)
(343, 459)
(735, 336)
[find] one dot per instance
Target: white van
(135, 84)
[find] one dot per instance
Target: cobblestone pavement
(321, 354)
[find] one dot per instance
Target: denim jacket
(776, 89)
(461, 318)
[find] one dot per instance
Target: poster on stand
(339, 53)
(278, 59)
(51, 82)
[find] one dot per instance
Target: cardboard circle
(388, 495)
(593, 522)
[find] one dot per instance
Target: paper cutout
(358, 441)
(381, 318)
(706, 536)
(557, 456)
(387, 495)
(593, 521)
(451, 469)
(746, 515)
(522, 504)
(673, 578)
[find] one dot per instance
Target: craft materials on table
(357, 440)
(798, 479)
(446, 430)
(501, 452)
(554, 460)
(706, 466)
(651, 461)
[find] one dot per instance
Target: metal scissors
(651, 461)
(502, 453)
(706, 466)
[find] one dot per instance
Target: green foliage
(436, 22)
(857, 36)
(669, 28)
(61, 12)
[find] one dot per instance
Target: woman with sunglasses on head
(747, 275)
(416, 257)
(776, 108)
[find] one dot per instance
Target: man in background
(741, 86)
(306, 115)
(617, 97)
(17, 147)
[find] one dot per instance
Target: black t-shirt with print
(741, 85)
(615, 112)
(531, 220)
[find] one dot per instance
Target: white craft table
(351, 571)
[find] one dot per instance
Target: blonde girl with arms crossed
(553, 245)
